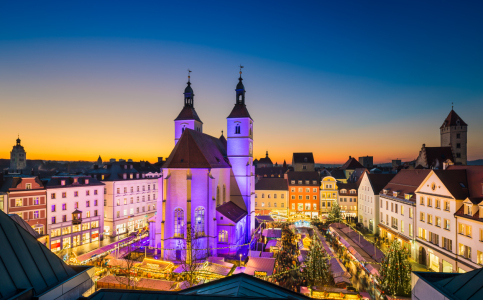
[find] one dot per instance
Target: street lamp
(240, 259)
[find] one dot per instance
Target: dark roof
(474, 177)
(279, 184)
(379, 181)
(406, 182)
(188, 113)
(461, 286)
(455, 181)
(265, 160)
(232, 211)
(26, 263)
(348, 187)
(55, 181)
(436, 156)
(239, 111)
(24, 225)
(301, 158)
(197, 150)
(114, 170)
(351, 164)
(338, 174)
(309, 175)
(223, 141)
(452, 120)
(476, 216)
(239, 286)
(12, 181)
(269, 171)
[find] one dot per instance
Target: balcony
(76, 217)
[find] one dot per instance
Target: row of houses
(77, 209)
(436, 214)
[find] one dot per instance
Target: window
(402, 210)
(95, 213)
(87, 193)
(446, 224)
(402, 226)
(263, 204)
(479, 258)
(394, 223)
(88, 214)
(410, 212)
(438, 203)
(446, 205)
(465, 251)
(53, 208)
(282, 196)
(434, 238)
(458, 135)
(410, 229)
(293, 206)
(223, 236)
(268, 196)
(421, 201)
(125, 201)
(315, 190)
(437, 221)
(300, 207)
(382, 218)
(268, 204)
(275, 204)
(64, 219)
(53, 220)
(18, 202)
(315, 206)
(422, 233)
(301, 190)
(307, 206)
(36, 200)
(28, 186)
(52, 196)
(125, 212)
(118, 214)
(293, 190)
(395, 208)
(178, 222)
(88, 203)
(64, 206)
(237, 128)
(421, 217)
(76, 194)
(430, 202)
(307, 197)
(118, 190)
(300, 197)
(283, 204)
(95, 192)
(458, 145)
(314, 197)
(118, 202)
(275, 196)
(430, 219)
(64, 195)
(293, 197)
(292, 182)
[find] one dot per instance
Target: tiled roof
(239, 111)
(301, 158)
(309, 175)
(338, 174)
(188, 113)
(436, 156)
(197, 150)
(262, 264)
(452, 120)
(272, 233)
(474, 177)
(232, 211)
(55, 181)
(351, 164)
(461, 213)
(455, 181)
(348, 187)
(406, 182)
(26, 263)
(269, 171)
(277, 184)
(379, 181)
(12, 181)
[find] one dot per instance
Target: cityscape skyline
(354, 87)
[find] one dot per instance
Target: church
(206, 198)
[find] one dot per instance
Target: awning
(395, 233)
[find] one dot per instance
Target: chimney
(350, 157)
(160, 159)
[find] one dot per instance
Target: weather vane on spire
(241, 67)
(189, 71)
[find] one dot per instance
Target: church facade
(207, 194)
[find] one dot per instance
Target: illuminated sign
(260, 273)
(153, 266)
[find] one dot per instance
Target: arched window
(237, 128)
(224, 194)
(178, 222)
(200, 221)
(182, 129)
(223, 236)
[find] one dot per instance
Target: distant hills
(477, 162)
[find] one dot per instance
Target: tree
(126, 273)
(317, 266)
(335, 214)
(395, 272)
(193, 255)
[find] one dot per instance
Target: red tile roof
(406, 182)
(474, 177)
(188, 113)
(351, 164)
(453, 120)
(239, 111)
(379, 181)
(455, 181)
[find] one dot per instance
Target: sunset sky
(80, 79)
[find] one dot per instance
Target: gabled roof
(239, 111)
(26, 263)
(309, 175)
(348, 187)
(461, 286)
(197, 150)
(25, 225)
(278, 184)
(188, 113)
(455, 181)
(436, 156)
(338, 174)
(300, 158)
(269, 171)
(351, 164)
(474, 177)
(232, 211)
(453, 120)
(13, 181)
(406, 182)
(243, 285)
(379, 181)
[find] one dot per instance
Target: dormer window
(102, 177)
(314, 182)
(87, 181)
(130, 166)
(408, 196)
(307, 181)
(76, 180)
(137, 175)
(124, 176)
(62, 182)
(385, 191)
(343, 191)
(28, 186)
(300, 181)
(468, 210)
(293, 182)
(395, 194)
(305, 159)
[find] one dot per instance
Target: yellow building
(328, 194)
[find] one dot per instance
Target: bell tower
(454, 134)
(187, 118)
(240, 151)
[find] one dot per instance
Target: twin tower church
(208, 199)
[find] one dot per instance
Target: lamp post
(240, 259)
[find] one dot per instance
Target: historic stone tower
(18, 157)
(240, 151)
(454, 134)
(187, 118)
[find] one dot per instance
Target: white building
(397, 208)
(370, 187)
(271, 197)
(449, 220)
(348, 199)
(18, 157)
(130, 195)
(74, 211)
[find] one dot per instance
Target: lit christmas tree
(395, 272)
(317, 266)
(335, 214)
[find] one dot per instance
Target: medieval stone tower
(454, 134)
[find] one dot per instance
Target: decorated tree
(286, 263)
(317, 265)
(335, 214)
(395, 272)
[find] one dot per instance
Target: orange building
(304, 194)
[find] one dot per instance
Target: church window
(458, 145)
(237, 128)
(224, 194)
(200, 221)
(178, 222)
(223, 236)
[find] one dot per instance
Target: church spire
(18, 140)
(188, 92)
(240, 89)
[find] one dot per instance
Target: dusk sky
(80, 79)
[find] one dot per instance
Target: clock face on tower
(251, 149)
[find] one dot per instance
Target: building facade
(303, 162)
(328, 194)
(24, 195)
(18, 157)
(348, 199)
(271, 197)
(304, 194)
(75, 211)
(454, 134)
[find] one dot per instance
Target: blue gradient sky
(84, 78)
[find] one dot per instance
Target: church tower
(187, 118)
(240, 151)
(454, 134)
(18, 157)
